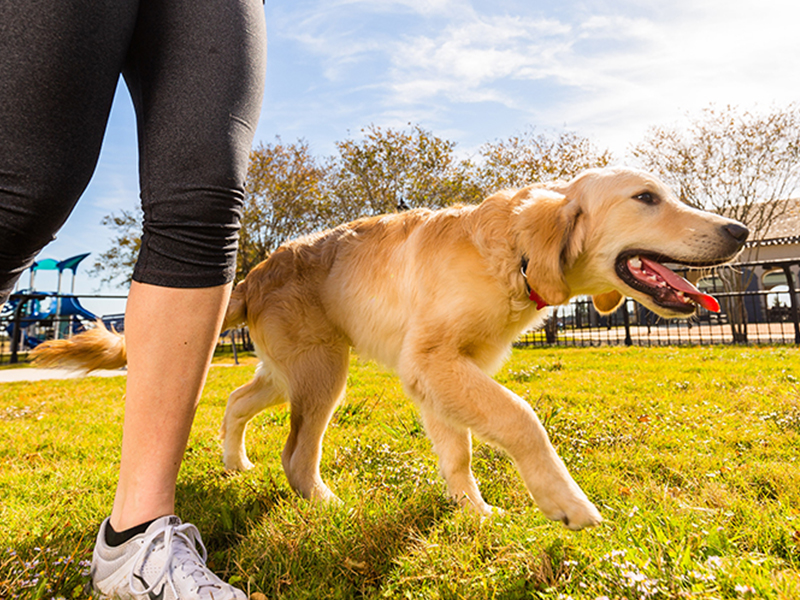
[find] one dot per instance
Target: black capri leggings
(195, 71)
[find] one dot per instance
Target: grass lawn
(691, 454)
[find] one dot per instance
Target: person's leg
(195, 71)
(170, 335)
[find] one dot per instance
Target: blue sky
(475, 71)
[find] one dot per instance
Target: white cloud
(722, 53)
(607, 70)
(422, 7)
(466, 60)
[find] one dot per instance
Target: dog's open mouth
(666, 288)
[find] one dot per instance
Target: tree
(390, 170)
(740, 164)
(115, 265)
(284, 198)
(736, 163)
(533, 158)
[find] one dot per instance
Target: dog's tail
(101, 348)
(96, 348)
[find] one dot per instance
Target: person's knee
(192, 240)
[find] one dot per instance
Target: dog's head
(609, 232)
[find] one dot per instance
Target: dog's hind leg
(243, 404)
(453, 445)
(317, 379)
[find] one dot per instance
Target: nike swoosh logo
(151, 595)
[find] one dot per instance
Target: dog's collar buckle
(534, 297)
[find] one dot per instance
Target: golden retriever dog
(439, 296)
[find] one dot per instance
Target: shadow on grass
(261, 536)
(337, 552)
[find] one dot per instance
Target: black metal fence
(759, 305)
(29, 318)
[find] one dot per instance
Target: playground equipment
(31, 314)
(51, 264)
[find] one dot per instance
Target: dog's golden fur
(94, 349)
(439, 296)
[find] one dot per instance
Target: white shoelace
(179, 541)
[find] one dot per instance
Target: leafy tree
(741, 164)
(390, 170)
(115, 265)
(533, 158)
(284, 198)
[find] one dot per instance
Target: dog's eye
(646, 198)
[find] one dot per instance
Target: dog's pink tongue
(679, 283)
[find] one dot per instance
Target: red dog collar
(534, 297)
(540, 303)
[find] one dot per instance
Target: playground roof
(51, 264)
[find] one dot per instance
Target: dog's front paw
(575, 513)
(585, 515)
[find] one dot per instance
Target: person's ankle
(116, 538)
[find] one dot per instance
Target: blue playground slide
(47, 308)
(43, 309)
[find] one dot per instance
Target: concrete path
(33, 374)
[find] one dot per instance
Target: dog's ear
(552, 229)
(607, 303)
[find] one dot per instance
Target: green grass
(691, 454)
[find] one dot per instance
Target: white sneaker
(162, 563)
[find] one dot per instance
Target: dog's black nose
(737, 231)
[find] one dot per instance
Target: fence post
(16, 335)
(626, 319)
(233, 346)
(787, 271)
